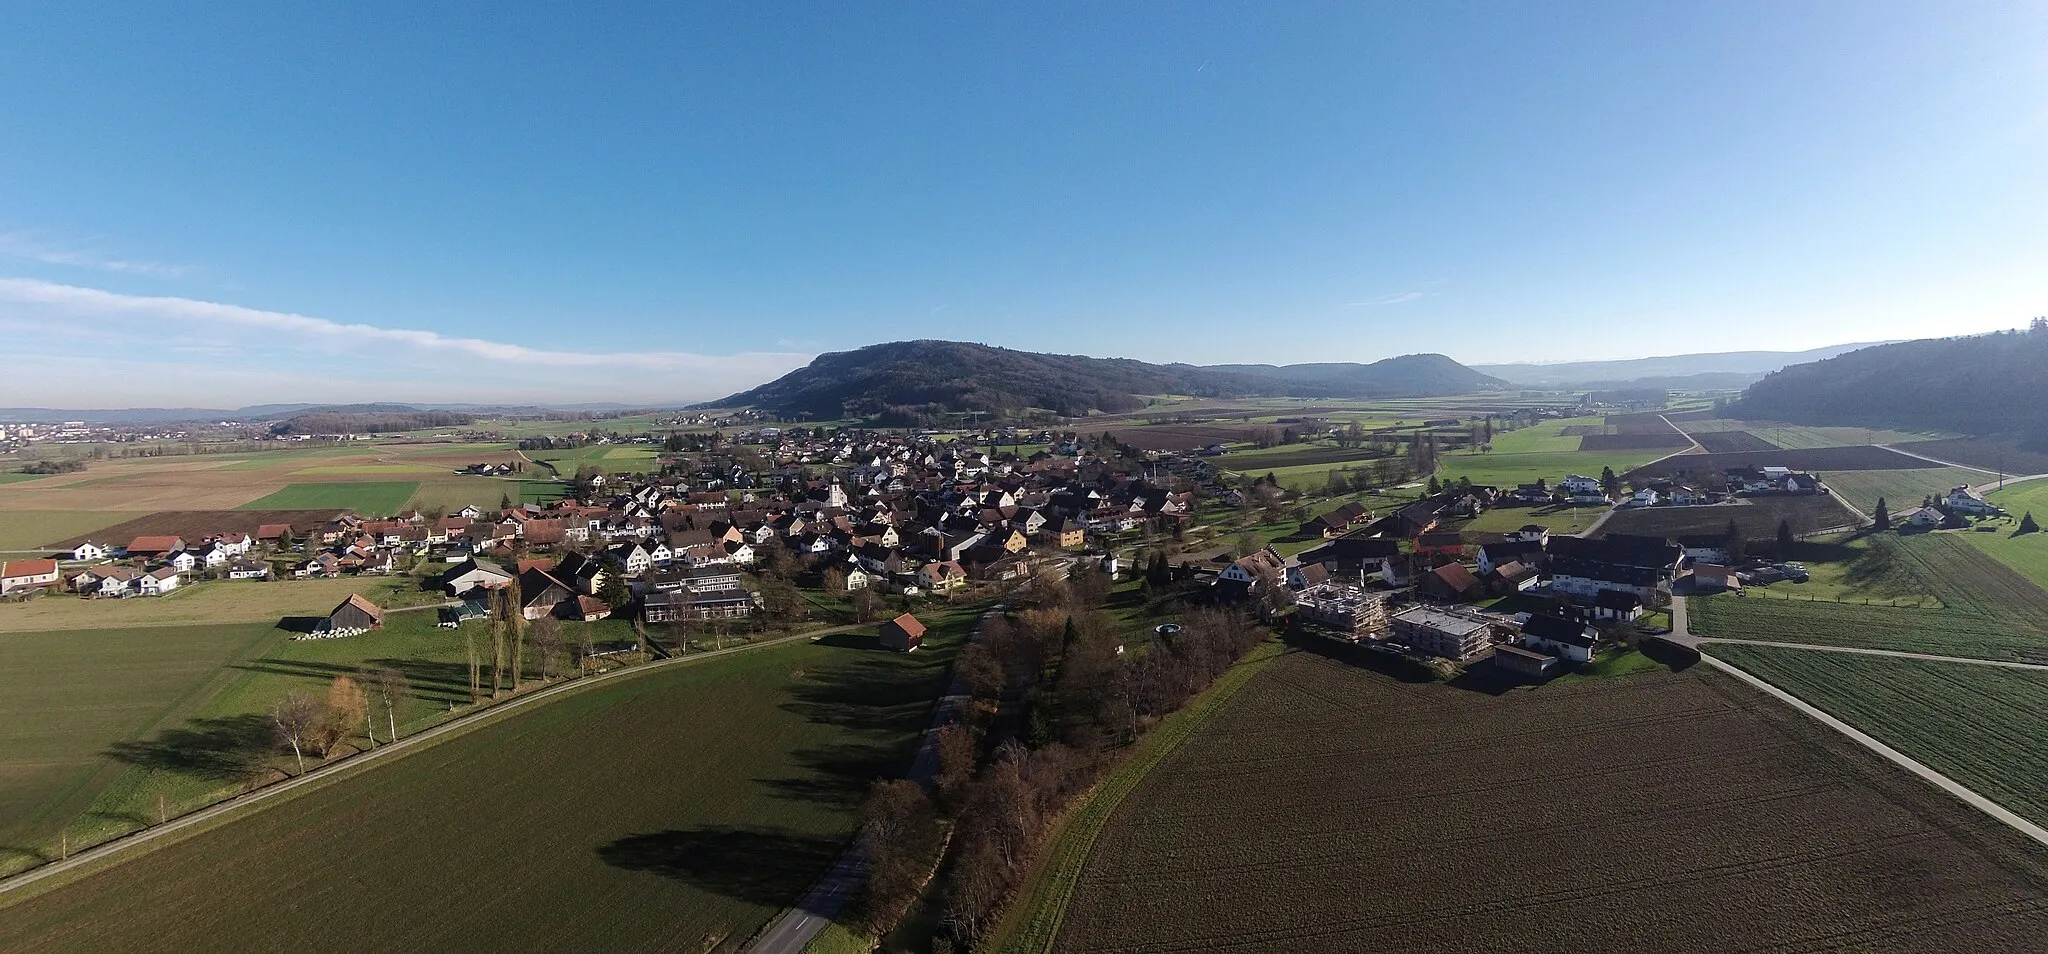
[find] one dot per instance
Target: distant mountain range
(275, 412)
(1728, 369)
(905, 378)
(1993, 384)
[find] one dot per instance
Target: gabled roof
(356, 600)
(1557, 629)
(909, 625)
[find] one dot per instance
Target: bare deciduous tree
(547, 643)
(297, 718)
(389, 686)
(346, 706)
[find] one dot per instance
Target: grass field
(36, 529)
(1983, 726)
(1901, 489)
(380, 498)
(1509, 470)
(12, 477)
(2026, 555)
(1507, 519)
(1330, 809)
(1797, 437)
(217, 601)
(702, 799)
(1987, 610)
(1756, 517)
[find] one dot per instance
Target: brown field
(1644, 423)
(1757, 518)
(29, 530)
(1816, 459)
(1179, 436)
(1982, 453)
(193, 524)
(1732, 442)
(223, 601)
(224, 482)
(1330, 809)
(1610, 442)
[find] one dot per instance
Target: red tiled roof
(909, 624)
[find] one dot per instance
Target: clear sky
(246, 202)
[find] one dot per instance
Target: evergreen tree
(1735, 542)
(1609, 483)
(2027, 524)
(1435, 487)
(1882, 518)
(1785, 539)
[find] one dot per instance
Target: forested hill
(352, 420)
(1982, 384)
(909, 378)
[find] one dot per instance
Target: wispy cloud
(237, 336)
(26, 245)
(1399, 298)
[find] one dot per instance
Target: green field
(1901, 489)
(1794, 437)
(15, 477)
(1507, 519)
(378, 498)
(31, 529)
(655, 812)
(1984, 726)
(1509, 470)
(454, 493)
(1987, 611)
(2026, 554)
(1544, 437)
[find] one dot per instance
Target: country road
(108, 851)
(1681, 633)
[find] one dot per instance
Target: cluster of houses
(1356, 583)
(157, 564)
(1953, 508)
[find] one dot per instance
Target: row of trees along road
(1054, 705)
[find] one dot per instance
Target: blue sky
(254, 202)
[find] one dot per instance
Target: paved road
(1940, 781)
(798, 926)
(389, 750)
(1981, 489)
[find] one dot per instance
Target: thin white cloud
(1399, 298)
(25, 245)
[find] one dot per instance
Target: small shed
(354, 615)
(903, 634)
(1523, 662)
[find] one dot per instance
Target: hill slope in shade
(1981, 384)
(959, 376)
(1753, 364)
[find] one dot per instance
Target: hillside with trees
(1990, 384)
(908, 380)
(346, 421)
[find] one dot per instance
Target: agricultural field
(16, 478)
(2025, 554)
(451, 495)
(609, 458)
(1984, 726)
(1901, 489)
(1732, 442)
(1328, 808)
(705, 797)
(1986, 610)
(375, 498)
(37, 530)
(214, 601)
(195, 524)
(1510, 518)
(1797, 436)
(1756, 517)
(1998, 457)
(1509, 470)
(1821, 460)
(1175, 437)
(1296, 455)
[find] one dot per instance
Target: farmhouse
(353, 617)
(89, 551)
(1443, 632)
(1451, 582)
(27, 574)
(1965, 501)
(1569, 640)
(1336, 522)
(154, 547)
(903, 634)
(473, 574)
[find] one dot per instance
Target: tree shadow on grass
(231, 748)
(765, 866)
(430, 679)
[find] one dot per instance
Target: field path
(261, 797)
(1943, 782)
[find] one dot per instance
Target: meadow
(215, 601)
(1986, 611)
(1901, 489)
(1984, 726)
(703, 797)
(37, 530)
(1756, 517)
(2025, 554)
(376, 498)
(1328, 808)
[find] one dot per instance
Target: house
(354, 616)
(1336, 522)
(1567, 639)
(249, 570)
(1511, 577)
(540, 593)
(1451, 582)
(1442, 632)
(473, 574)
(590, 609)
(1581, 485)
(157, 582)
(185, 560)
(1589, 578)
(1248, 573)
(1307, 576)
(273, 534)
(1617, 605)
(1965, 501)
(27, 574)
(1712, 578)
(111, 581)
(1918, 518)
(1646, 497)
(154, 547)
(1705, 548)
(903, 634)
(856, 579)
(89, 551)
(942, 576)
(1448, 542)
(1493, 555)
(687, 605)
(1353, 553)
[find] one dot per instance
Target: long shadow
(763, 866)
(429, 678)
(299, 624)
(1386, 664)
(882, 699)
(230, 748)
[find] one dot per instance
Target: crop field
(656, 812)
(1756, 517)
(195, 524)
(217, 601)
(1901, 489)
(1798, 436)
(1732, 442)
(1983, 726)
(1508, 470)
(370, 498)
(1178, 437)
(1996, 456)
(1508, 519)
(1987, 610)
(1253, 462)
(1823, 460)
(16, 478)
(38, 529)
(1613, 442)
(1330, 809)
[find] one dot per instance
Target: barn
(903, 634)
(354, 616)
